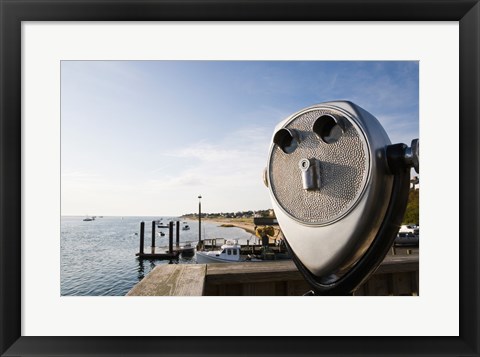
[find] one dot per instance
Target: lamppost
(199, 218)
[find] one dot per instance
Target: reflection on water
(141, 269)
(98, 257)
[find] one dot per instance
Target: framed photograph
(65, 65)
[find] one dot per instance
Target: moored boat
(406, 238)
(228, 253)
(188, 250)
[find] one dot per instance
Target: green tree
(412, 211)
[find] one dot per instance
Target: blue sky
(147, 137)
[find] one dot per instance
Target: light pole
(199, 219)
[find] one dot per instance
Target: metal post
(178, 233)
(199, 218)
(170, 237)
(142, 236)
(153, 237)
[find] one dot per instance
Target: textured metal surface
(344, 167)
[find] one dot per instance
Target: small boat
(228, 253)
(162, 226)
(411, 228)
(185, 226)
(188, 250)
(406, 238)
(88, 219)
(161, 234)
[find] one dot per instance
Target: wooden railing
(397, 275)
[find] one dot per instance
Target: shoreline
(244, 223)
(248, 227)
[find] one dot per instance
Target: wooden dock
(157, 253)
(397, 275)
(161, 255)
(172, 280)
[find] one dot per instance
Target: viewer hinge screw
(411, 155)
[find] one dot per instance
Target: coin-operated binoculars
(339, 190)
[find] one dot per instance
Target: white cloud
(228, 173)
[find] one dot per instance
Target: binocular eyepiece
(339, 190)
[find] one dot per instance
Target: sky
(149, 137)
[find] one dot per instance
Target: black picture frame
(13, 12)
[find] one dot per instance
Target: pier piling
(142, 236)
(170, 237)
(170, 254)
(178, 233)
(153, 237)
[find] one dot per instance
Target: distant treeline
(412, 211)
(239, 214)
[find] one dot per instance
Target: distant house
(415, 183)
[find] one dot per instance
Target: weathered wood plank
(403, 250)
(242, 273)
(172, 280)
(398, 264)
(285, 270)
(402, 284)
(415, 282)
(376, 285)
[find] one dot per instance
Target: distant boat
(88, 219)
(188, 250)
(185, 227)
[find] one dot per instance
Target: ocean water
(98, 257)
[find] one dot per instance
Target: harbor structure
(397, 275)
(171, 253)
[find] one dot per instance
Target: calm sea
(98, 257)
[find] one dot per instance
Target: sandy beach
(244, 223)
